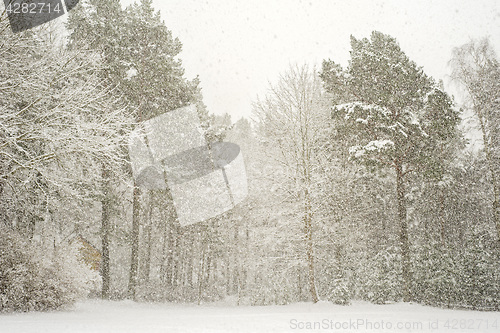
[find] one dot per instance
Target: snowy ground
(126, 316)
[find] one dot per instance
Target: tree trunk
(496, 210)
(165, 244)
(190, 263)
(134, 262)
(227, 273)
(442, 218)
(201, 274)
(105, 235)
(149, 227)
(168, 216)
(309, 246)
(245, 270)
(176, 262)
(496, 189)
(403, 233)
(299, 283)
(236, 267)
(169, 267)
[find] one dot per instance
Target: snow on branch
(356, 111)
(371, 147)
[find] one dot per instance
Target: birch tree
(477, 69)
(289, 119)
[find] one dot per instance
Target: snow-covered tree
(394, 116)
(52, 130)
(290, 117)
(477, 70)
(141, 61)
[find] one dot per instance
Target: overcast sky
(237, 47)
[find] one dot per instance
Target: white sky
(237, 47)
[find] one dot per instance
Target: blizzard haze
(349, 196)
(237, 47)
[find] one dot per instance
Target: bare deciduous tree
(290, 117)
(477, 70)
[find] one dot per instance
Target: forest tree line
(361, 182)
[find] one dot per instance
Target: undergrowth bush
(34, 281)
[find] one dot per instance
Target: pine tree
(398, 117)
(99, 26)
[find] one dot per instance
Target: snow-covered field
(126, 316)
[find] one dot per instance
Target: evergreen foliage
(396, 117)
